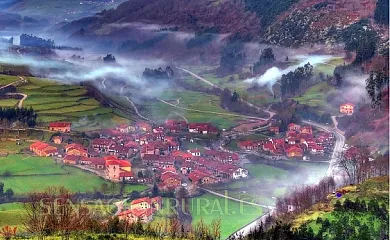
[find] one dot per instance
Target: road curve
(340, 141)
(136, 110)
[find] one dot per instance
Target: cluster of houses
(298, 141)
(209, 167)
(157, 146)
(141, 210)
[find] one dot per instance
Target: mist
(273, 74)
(125, 71)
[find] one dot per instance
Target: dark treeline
(158, 73)
(303, 198)
(294, 81)
(358, 167)
(376, 85)
(381, 14)
(234, 103)
(200, 39)
(266, 57)
(232, 57)
(28, 40)
(133, 45)
(26, 116)
(292, 111)
(360, 37)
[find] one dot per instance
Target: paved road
(21, 79)
(20, 103)
(340, 141)
(216, 86)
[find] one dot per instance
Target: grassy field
(260, 96)
(11, 147)
(69, 177)
(269, 181)
(5, 79)
(26, 165)
(11, 214)
(54, 101)
(233, 215)
(191, 100)
(315, 96)
(8, 102)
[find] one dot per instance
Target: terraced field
(54, 101)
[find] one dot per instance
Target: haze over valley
(177, 119)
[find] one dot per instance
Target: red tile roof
(60, 124)
(121, 163)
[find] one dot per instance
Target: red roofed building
(293, 127)
(137, 215)
(76, 150)
(125, 128)
(60, 126)
(169, 181)
(144, 126)
(223, 157)
(71, 159)
(306, 130)
(203, 128)
(194, 152)
(101, 144)
(248, 144)
(200, 178)
(317, 150)
(294, 152)
(186, 168)
(232, 171)
(274, 129)
(115, 167)
(347, 108)
(147, 203)
(94, 162)
(43, 149)
(176, 123)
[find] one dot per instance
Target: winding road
(338, 148)
(24, 96)
(136, 110)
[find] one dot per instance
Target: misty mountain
(284, 22)
(223, 17)
(13, 21)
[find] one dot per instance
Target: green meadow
(233, 215)
(39, 173)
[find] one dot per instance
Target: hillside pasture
(54, 101)
(10, 102)
(206, 108)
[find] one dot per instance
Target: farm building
(60, 126)
(347, 108)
